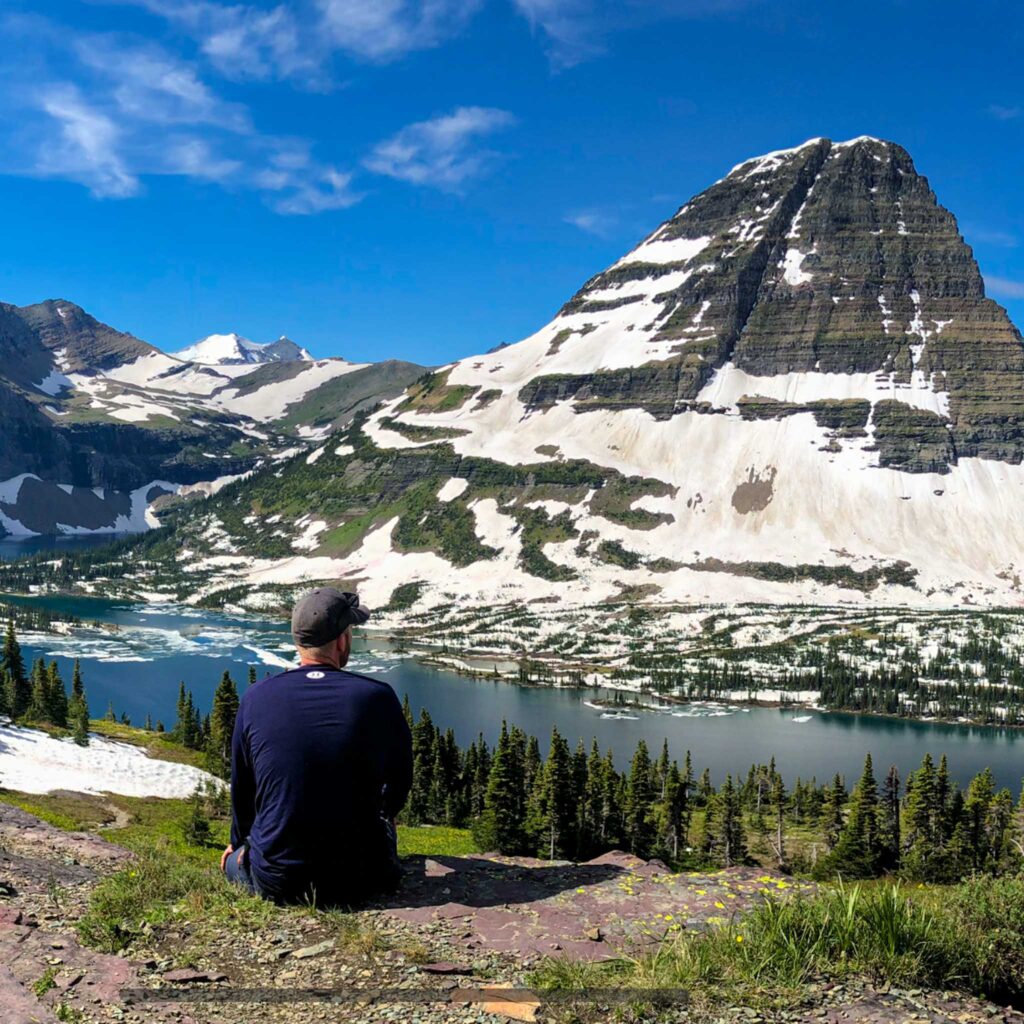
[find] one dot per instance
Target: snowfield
(34, 762)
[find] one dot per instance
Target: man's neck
(306, 662)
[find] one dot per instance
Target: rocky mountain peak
(78, 341)
(829, 258)
(234, 350)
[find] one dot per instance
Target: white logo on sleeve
(314, 675)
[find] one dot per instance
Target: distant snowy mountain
(98, 424)
(234, 350)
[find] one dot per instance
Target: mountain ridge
(793, 389)
(99, 424)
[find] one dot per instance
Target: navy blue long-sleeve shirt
(319, 757)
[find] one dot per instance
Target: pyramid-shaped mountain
(794, 389)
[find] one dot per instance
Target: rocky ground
(456, 945)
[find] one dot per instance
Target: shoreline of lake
(501, 667)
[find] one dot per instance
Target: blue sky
(424, 179)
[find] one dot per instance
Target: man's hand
(227, 853)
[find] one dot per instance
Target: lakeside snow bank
(34, 762)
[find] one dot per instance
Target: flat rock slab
(23, 833)
(589, 911)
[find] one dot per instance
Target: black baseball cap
(324, 614)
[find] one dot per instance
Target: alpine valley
(794, 392)
(98, 426)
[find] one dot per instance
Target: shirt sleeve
(243, 784)
(398, 770)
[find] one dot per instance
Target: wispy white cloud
(86, 146)
(440, 152)
(107, 110)
(298, 39)
(1004, 113)
(572, 28)
(593, 222)
(246, 42)
(578, 30)
(150, 84)
(385, 29)
(328, 190)
(1004, 287)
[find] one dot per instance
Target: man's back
(320, 756)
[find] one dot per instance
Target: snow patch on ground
(792, 264)
(270, 402)
(452, 488)
(672, 250)
(33, 762)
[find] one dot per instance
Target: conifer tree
(725, 837)
(500, 827)
(671, 816)
(858, 849)
(889, 821)
(636, 812)
(196, 827)
(705, 791)
(424, 756)
(19, 691)
(778, 803)
(923, 849)
(1015, 836)
(39, 707)
(222, 725)
(77, 687)
(481, 772)
(1000, 832)
(552, 807)
(78, 716)
(183, 718)
(109, 716)
(977, 806)
(57, 697)
(832, 811)
(532, 764)
(944, 821)
(252, 674)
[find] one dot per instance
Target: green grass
(435, 840)
(156, 744)
(971, 937)
(73, 812)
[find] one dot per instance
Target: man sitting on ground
(321, 762)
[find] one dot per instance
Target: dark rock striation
(832, 259)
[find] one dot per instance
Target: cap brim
(359, 614)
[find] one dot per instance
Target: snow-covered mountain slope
(793, 389)
(97, 421)
(234, 350)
